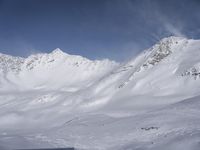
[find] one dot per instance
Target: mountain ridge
(147, 102)
(43, 64)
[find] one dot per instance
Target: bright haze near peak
(111, 29)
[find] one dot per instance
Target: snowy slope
(160, 72)
(59, 100)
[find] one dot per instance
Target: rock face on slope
(161, 50)
(10, 64)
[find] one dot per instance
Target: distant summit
(58, 51)
(55, 70)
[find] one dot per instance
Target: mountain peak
(57, 51)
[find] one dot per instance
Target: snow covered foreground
(58, 100)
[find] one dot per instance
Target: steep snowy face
(162, 50)
(170, 67)
(159, 52)
(53, 71)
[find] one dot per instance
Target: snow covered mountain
(150, 102)
(168, 69)
(56, 70)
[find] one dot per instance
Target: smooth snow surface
(59, 100)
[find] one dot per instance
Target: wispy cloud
(173, 30)
(153, 15)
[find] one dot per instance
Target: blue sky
(115, 29)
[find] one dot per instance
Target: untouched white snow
(59, 100)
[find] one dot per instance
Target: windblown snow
(151, 102)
